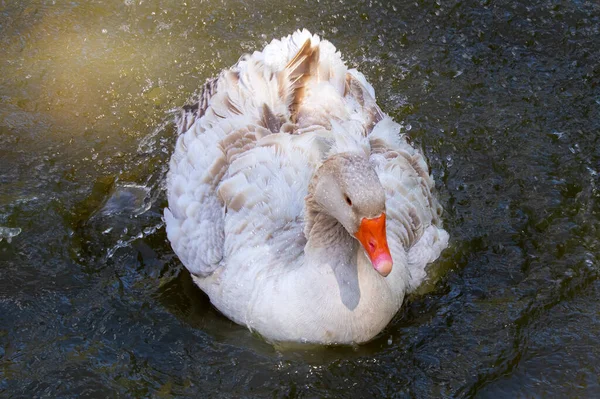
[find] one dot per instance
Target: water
(504, 97)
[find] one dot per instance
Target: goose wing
(413, 213)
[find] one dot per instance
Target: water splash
(131, 198)
(123, 243)
(8, 233)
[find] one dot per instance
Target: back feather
(295, 75)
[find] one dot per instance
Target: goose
(297, 205)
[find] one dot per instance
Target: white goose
(290, 193)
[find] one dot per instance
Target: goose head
(347, 188)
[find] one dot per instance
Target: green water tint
(503, 98)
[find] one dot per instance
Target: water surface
(503, 97)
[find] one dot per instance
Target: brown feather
(293, 79)
(355, 89)
(241, 140)
(190, 113)
(269, 120)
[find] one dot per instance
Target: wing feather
(413, 222)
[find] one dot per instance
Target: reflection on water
(503, 97)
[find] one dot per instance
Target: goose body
(253, 188)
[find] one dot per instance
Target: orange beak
(371, 235)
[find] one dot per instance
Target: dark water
(504, 97)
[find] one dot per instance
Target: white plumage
(243, 186)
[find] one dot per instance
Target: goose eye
(348, 201)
